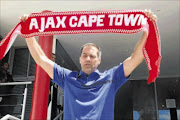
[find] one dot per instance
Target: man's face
(89, 59)
(5, 66)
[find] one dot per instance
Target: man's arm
(137, 56)
(39, 56)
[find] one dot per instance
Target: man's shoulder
(1, 70)
(1, 73)
(60, 69)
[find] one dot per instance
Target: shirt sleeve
(60, 74)
(118, 76)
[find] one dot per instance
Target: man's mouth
(87, 64)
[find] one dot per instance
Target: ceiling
(115, 47)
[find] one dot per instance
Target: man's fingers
(150, 15)
(24, 17)
(154, 17)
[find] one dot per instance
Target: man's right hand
(24, 18)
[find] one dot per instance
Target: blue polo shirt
(89, 97)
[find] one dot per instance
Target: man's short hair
(96, 46)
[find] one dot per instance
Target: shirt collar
(96, 72)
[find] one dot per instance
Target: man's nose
(88, 58)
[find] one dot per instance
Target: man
(5, 76)
(89, 94)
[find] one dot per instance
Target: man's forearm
(39, 56)
(138, 53)
(35, 50)
(136, 58)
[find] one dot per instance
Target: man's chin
(89, 70)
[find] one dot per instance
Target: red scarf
(78, 22)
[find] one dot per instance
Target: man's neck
(88, 72)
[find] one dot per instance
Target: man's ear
(80, 59)
(99, 61)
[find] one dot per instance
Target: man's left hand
(150, 15)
